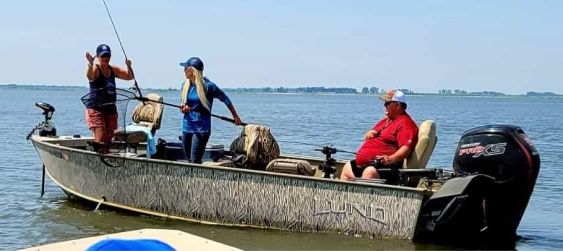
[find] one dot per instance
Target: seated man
(391, 140)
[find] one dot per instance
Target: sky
(508, 46)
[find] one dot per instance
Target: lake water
(26, 219)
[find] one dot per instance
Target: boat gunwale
(51, 142)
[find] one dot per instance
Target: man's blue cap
(103, 49)
(195, 62)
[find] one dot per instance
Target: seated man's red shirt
(393, 134)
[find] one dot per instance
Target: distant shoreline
(301, 91)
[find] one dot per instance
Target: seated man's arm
(399, 155)
(407, 137)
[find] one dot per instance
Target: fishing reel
(329, 165)
(46, 128)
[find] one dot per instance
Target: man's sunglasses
(387, 103)
(106, 56)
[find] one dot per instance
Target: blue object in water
(121, 244)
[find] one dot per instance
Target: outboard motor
(496, 167)
(46, 128)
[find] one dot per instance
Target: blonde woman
(197, 100)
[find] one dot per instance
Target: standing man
(101, 111)
(391, 140)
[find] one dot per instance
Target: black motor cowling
(496, 167)
(503, 152)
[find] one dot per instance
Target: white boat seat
(423, 150)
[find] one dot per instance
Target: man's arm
(399, 155)
(407, 137)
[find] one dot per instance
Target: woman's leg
(96, 123)
(111, 126)
(187, 143)
(99, 134)
(199, 142)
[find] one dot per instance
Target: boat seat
(147, 117)
(149, 114)
(423, 150)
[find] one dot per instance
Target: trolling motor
(46, 128)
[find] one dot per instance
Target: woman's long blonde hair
(200, 88)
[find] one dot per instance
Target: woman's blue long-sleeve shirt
(198, 119)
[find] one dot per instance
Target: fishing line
(133, 74)
(122, 48)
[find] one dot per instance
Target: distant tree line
(312, 90)
(541, 94)
(466, 93)
(332, 90)
(336, 90)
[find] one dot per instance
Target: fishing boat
(483, 195)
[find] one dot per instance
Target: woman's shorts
(95, 118)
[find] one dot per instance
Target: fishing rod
(136, 85)
(300, 143)
(334, 150)
(123, 49)
(178, 106)
(328, 150)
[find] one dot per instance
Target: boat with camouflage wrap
(484, 196)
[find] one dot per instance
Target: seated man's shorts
(359, 170)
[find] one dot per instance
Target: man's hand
(371, 134)
(185, 108)
(89, 58)
(387, 159)
(128, 62)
